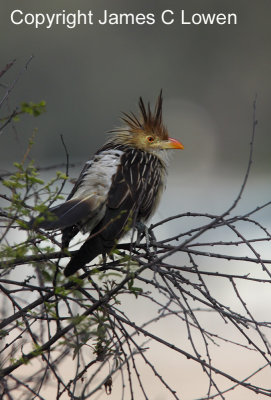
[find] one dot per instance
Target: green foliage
(95, 328)
(16, 251)
(23, 178)
(26, 193)
(134, 289)
(37, 350)
(34, 109)
(61, 291)
(30, 108)
(3, 333)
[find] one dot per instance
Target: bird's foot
(143, 230)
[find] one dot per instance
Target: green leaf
(34, 109)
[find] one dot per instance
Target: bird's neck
(162, 155)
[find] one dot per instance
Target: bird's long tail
(87, 252)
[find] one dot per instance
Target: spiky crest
(148, 121)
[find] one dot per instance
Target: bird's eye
(150, 139)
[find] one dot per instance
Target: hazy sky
(90, 73)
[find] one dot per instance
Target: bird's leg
(111, 256)
(142, 229)
(153, 239)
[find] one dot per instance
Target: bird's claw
(143, 230)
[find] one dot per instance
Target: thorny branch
(49, 322)
(11, 87)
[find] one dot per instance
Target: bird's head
(146, 131)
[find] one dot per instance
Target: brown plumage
(150, 122)
(120, 186)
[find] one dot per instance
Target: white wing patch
(96, 182)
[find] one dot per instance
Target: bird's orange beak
(172, 144)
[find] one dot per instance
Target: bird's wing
(70, 213)
(79, 180)
(85, 206)
(133, 193)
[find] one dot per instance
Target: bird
(119, 187)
